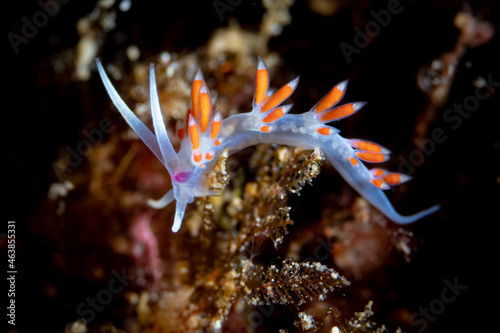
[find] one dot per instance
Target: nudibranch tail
(394, 216)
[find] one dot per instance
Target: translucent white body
(199, 150)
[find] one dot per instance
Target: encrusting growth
(206, 135)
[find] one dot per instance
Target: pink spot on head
(181, 177)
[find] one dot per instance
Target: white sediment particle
(343, 152)
(165, 57)
(59, 189)
(320, 268)
(306, 321)
(133, 53)
(125, 5)
(171, 69)
(141, 109)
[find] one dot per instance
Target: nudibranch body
(206, 135)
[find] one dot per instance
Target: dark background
(44, 112)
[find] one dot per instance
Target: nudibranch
(206, 135)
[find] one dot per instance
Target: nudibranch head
(181, 177)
